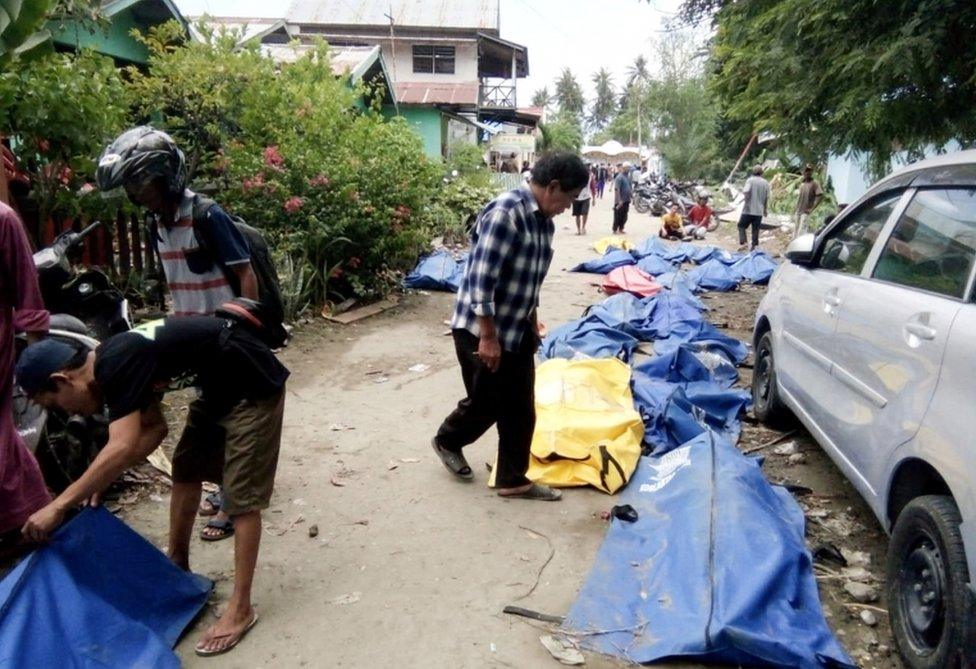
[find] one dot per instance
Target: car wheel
(929, 601)
(766, 403)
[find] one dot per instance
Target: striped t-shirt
(197, 283)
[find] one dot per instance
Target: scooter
(85, 308)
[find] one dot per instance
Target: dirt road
(411, 568)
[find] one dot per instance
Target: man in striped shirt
(495, 324)
(200, 277)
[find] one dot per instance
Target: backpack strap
(203, 232)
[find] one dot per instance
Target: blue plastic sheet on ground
(645, 318)
(588, 337)
(98, 595)
(673, 413)
(702, 253)
(756, 267)
(610, 260)
(654, 265)
(686, 364)
(715, 275)
(652, 246)
(681, 252)
(714, 569)
(438, 271)
(704, 336)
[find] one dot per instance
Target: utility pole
(393, 93)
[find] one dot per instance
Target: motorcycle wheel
(641, 205)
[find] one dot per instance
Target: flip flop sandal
(213, 503)
(455, 462)
(225, 527)
(230, 646)
(537, 492)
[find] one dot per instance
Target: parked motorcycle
(85, 308)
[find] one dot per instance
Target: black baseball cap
(39, 361)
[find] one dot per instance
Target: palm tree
(605, 102)
(541, 97)
(638, 72)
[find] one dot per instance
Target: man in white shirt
(755, 207)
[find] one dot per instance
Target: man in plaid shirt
(495, 326)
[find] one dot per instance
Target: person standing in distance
(621, 198)
(809, 198)
(495, 326)
(754, 208)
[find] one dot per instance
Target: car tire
(932, 610)
(767, 406)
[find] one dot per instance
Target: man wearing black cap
(243, 392)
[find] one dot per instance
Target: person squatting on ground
(232, 435)
(22, 489)
(698, 219)
(808, 199)
(754, 207)
(581, 207)
(622, 190)
(150, 167)
(495, 326)
(672, 225)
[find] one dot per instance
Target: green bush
(340, 191)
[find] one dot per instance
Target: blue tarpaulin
(673, 413)
(756, 267)
(681, 252)
(654, 265)
(610, 260)
(714, 569)
(652, 246)
(98, 595)
(587, 337)
(438, 271)
(704, 336)
(645, 318)
(715, 275)
(686, 364)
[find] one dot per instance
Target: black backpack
(269, 289)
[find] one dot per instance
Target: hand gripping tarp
(587, 431)
(587, 338)
(601, 246)
(610, 260)
(713, 570)
(756, 267)
(98, 595)
(715, 275)
(630, 280)
(438, 271)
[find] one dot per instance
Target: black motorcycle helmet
(141, 154)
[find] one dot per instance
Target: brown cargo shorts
(238, 450)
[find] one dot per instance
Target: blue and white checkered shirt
(511, 251)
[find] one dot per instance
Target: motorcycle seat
(68, 323)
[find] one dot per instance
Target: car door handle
(831, 300)
(921, 330)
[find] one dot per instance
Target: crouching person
(243, 397)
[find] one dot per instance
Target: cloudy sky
(583, 35)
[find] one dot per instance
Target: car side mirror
(800, 251)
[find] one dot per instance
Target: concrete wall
(401, 68)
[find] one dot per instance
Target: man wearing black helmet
(150, 167)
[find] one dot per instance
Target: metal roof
(472, 14)
(426, 93)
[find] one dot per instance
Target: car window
(933, 245)
(847, 246)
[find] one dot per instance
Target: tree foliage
(837, 75)
(62, 108)
(569, 95)
(541, 98)
(604, 101)
(562, 133)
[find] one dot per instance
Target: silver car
(868, 336)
